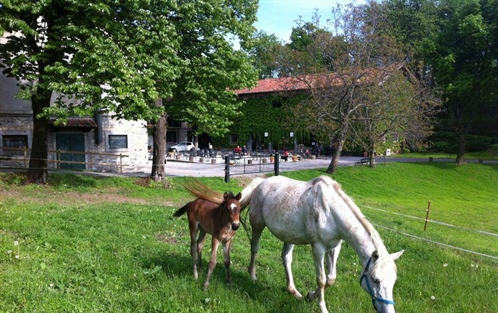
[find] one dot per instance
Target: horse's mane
(374, 235)
(199, 190)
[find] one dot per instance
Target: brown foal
(208, 214)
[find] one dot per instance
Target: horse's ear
(238, 196)
(225, 196)
(396, 255)
(375, 255)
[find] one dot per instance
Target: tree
(211, 67)
(95, 56)
(351, 72)
(463, 54)
(265, 53)
(358, 52)
(121, 57)
(394, 111)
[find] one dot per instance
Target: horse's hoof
(310, 296)
(296, 294)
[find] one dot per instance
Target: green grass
(87, 244)
(490, 154)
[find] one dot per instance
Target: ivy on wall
(267, 114)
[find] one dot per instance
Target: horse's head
(232, 204)
(378, 280)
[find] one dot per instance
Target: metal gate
(250, 165)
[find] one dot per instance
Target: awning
(85, 123)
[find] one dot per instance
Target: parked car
(182, 146)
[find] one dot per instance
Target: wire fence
(481, 232)
(63, 159)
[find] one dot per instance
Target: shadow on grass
(71, 180)
(261, 292)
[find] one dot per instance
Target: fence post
(277, 164)
(427, 215)
(121, 163)
(227, 169)
(25, 152)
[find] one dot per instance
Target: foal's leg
(226, 257)
(212, 263)
(200, 245)
(318, 256)
(287, 261)
(193, 248)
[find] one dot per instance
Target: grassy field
(86, 244)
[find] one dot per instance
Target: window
(15, 142)
(171, 136)
(118, 141)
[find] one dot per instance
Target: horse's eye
(376, 280)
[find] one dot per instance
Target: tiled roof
(274, 85)
(301, 83)
(76, 122)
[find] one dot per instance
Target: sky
(279, 16)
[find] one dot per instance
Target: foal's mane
(199, 190)
(374, 235)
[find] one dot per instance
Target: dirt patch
(69, 198)
(169, 237)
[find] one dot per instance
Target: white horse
(319, 213)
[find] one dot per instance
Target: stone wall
(103, 158)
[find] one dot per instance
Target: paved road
(182, 168)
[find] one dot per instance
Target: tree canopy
(122, 56)
(456, 44)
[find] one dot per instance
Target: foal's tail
(199, 190)
(248, 192)
(181, 211)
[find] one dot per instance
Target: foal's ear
(396, 255)
(225, 196)
(238, 196)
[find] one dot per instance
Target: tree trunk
(372, 156)
(460, 159)
(341, 139)
(38, 164)
(159, 145)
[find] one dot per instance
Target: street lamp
(269, 143)
(295, 142)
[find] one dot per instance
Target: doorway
(73, 143)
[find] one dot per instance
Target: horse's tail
(199, 190)
(248, 191)
(181, 211)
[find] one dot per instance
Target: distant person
(316, 149)
(243, 150)
(285, 157)
(237, 150)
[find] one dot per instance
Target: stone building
(97, 143)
